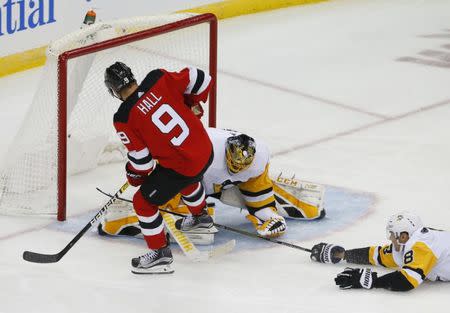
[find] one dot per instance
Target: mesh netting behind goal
(29, 181)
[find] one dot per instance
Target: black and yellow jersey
(426, 255)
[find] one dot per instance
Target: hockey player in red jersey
(168, 150)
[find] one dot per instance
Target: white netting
(28, 182)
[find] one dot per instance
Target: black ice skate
(153, 262)
(195, 223)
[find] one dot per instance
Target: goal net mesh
(28, 178)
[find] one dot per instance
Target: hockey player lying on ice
(238, 176)
(419, 253)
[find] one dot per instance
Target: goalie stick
(232, 229)
(188, 248)
(53, 258)
(186, 245)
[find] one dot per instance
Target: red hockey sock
(194, 197)
(151, 222)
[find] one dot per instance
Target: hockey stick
(232, 229)
(53, 258)
(188, 248)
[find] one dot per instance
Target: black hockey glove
(326, 253)
(356, 278)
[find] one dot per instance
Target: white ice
(325, 87)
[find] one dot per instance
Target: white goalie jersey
(254, 189)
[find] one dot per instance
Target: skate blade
(158, 269)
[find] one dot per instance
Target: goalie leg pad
(128, 226)
(299, 201)
(120, 220)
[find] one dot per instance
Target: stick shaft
(239, 231)
(52, 258)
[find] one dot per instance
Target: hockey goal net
(68, 128)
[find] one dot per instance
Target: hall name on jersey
(147, 102)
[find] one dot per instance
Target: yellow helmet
(240, 152)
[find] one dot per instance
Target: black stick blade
(40, 258)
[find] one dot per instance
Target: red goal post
(45, 147)
(108, 44)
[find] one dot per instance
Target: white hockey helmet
(403, 222)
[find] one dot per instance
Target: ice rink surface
(351, 94)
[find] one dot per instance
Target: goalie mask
(240, 152)
(117, 77)
(403, 223)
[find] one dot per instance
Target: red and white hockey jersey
(155, 123)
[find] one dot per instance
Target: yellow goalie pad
(298, 199)
(121, 220)
(294, 198)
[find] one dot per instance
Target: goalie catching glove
(327, 253)
(268, 223)
(356, 278)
